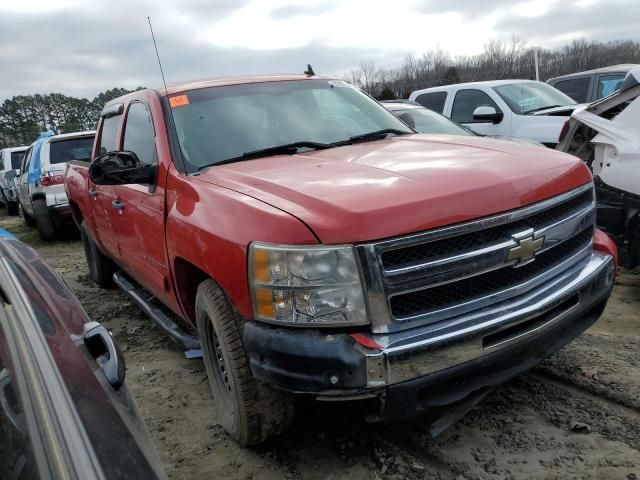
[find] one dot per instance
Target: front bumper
(437, 369)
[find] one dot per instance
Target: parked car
(318, 246)
(592, 85)
(424, 120)
(10, 161)
(42, 200)
(606, 136)
(66, 411)
(506, 108)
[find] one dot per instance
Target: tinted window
(433, 101)
(607, 84)
(138, 133)
(576, 88)
(426, 121)
(27, 159)
(16, 159)
(466, 101)
(108, 134)
(73, 149)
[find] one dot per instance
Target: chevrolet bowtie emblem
(526, 248)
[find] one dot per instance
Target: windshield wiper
(375, 135)
(286, 149)
(542, 108)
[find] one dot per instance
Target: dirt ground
(576, 416)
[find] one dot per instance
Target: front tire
(249, 410)
(101, 267)
(12, 208)
(44, 223)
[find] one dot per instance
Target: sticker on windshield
(178, 101)
(340, 84)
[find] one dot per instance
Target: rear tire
(12, 208)
(44, 222)
(249, 410)
(25, 219)
(101, 267)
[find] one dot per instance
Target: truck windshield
(223, 123)
(427, 121)
(72, 149)
(528, 97)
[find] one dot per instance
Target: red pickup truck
(313, 244)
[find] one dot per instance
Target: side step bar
(190, 342)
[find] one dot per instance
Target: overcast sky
(82, 47)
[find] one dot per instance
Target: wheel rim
(220, 377)
(221, 364)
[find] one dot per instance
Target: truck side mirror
(120, 168)
(487, 114)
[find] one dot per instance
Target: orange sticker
(178, 101)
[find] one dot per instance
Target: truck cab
(523, 109)
(310, 243)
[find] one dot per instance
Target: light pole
(535, 59)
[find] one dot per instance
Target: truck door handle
(117, 204)
(105, 350)
(93, 192)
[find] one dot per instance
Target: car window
(466, 101)
(433, 101)
(607, 84)
(108, 134)
(27, 160)
(427, 121)
(139, 135)
(62, 151)
(16, 160)
(576, 88)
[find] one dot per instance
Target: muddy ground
(576, 416)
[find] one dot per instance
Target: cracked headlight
(306, 285)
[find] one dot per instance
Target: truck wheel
(101, 267)
(249, 410)
(12, 208)
(44, 223)
(25, 219)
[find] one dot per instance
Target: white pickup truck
(508, 108)
(10, 161)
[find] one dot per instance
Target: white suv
(42, 199)
(10, 161)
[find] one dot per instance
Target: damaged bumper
(429, 372)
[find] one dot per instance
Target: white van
(508, 108)
(10, 161)
(43, 201)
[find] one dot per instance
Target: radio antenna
(155, 45)
(166, 92)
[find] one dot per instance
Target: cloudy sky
(82, 47)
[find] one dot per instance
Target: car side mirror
(487, 114)
(120, 168)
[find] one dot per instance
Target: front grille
(435, 298)
(435, 250)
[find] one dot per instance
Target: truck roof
(179, 87)
(489, 83)
(620, 68)
(64, 136)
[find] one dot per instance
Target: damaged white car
(606, 135)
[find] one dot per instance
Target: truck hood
(400, 185)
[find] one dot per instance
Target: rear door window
(16, 160)
(62, 151)
(109, 134)
(466, 101)
(433, 101)
(576, 88)
(607, 84)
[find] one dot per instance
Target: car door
(102, 195)
(23, 186)
(466, 101)
(139, 217)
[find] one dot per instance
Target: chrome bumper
(418, 352)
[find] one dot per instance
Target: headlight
(306, 285)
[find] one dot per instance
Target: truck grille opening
(467, 289)
(435, 250)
